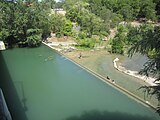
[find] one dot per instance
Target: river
(43, 85)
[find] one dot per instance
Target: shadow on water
(24, 99)
(14, 103)
(105, 115)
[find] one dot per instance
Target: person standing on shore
(80, 55)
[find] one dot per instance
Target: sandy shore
(61, 46)
(146, 79)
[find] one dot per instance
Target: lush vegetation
(22, 23)
(149, 44)
(128, 9)
(118, 42)
(93, 17)
(97, 17)
(27, 23)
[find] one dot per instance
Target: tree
(136, 34)
(133, 35)
(18, 17)
(50, 3)
(33, 37)
(147, 10)
(117, 44)
(157, 2)
(60, 25)
(118, 41)
(150, 42)
(83, 41)
(135, 7)
(67, 29)
(57, 24)
(73, 14)
(127, 12)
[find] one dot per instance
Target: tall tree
(118, 41)
(147, 9)
(157, 2)
(18, 17)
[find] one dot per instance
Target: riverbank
(149, 80)
(93, 62)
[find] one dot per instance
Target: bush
(82, 35)
(34, 41)
(59, 34)
(87, 42)
(34, 37)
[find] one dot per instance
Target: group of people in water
(110, 79)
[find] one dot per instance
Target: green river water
(43, 85)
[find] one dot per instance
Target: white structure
(2, 46)
(114, 63)
(59, 11)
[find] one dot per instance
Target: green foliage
(60, 25)
(87, 20)
(85, 42)
(147, 9)
(118, 41)
(129, 9)
(92, 24)
(59, 34)
(157, 2)
(133, 35)
(150, 45)
(72, 14)
(136, 34)
(4, 34)
(57, 23)
(17, 18)
(67, 29)
(151, 53)
(82, 35)
(117, 45)
(33, 37)
(49, 3)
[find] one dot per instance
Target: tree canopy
(19, 17)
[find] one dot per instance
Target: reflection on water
(105, 115)
(23, 99)
(11, 96)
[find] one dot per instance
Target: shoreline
(146, 79)
(107, 81)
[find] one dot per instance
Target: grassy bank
(101, 62)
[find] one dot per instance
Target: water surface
(50, 87)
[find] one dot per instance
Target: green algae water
(43, 85)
